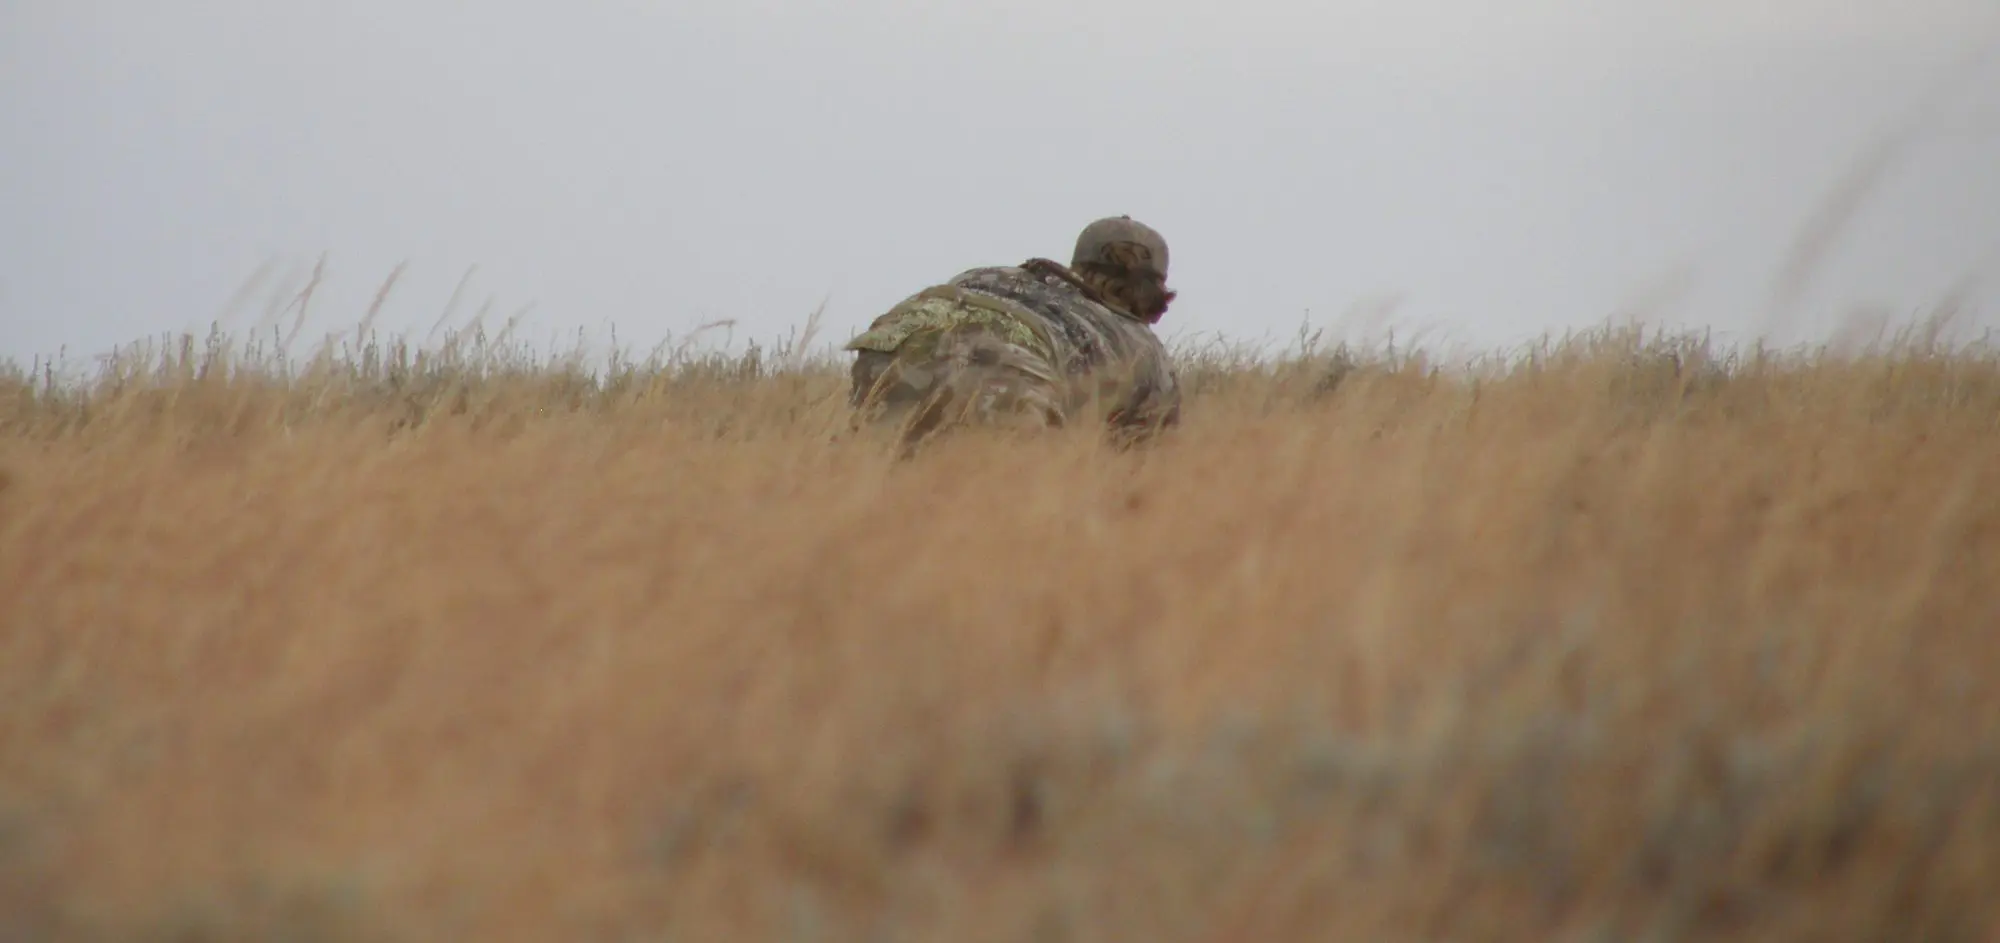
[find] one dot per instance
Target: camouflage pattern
(1025, 347)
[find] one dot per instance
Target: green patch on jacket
(941, 309)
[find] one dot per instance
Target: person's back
(1038, 344)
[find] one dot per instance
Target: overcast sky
(1502, 168)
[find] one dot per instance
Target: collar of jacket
(1059, 270)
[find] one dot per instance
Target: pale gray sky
(1504, 167)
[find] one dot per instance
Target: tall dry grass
(1614, 638)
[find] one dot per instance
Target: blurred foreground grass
(1612, 638)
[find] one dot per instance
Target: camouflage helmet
(1097, 240)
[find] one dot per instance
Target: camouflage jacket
(1105, 357)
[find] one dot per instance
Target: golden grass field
(1615, 639)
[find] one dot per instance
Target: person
(1035, 346)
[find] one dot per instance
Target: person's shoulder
(1020, 285)
(994, 276)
